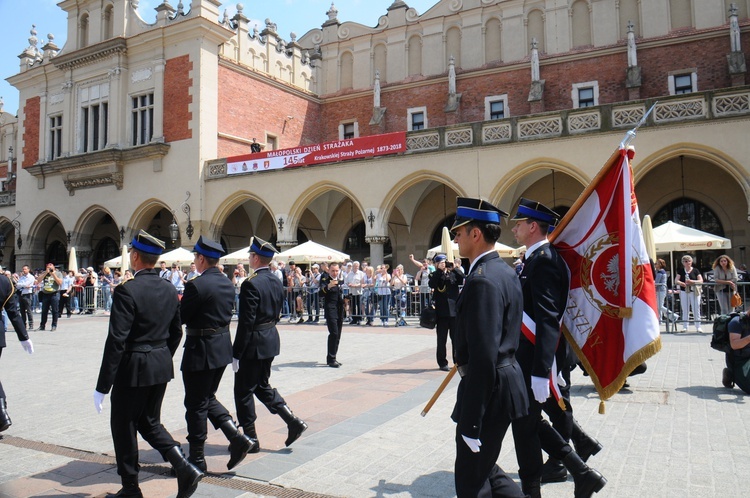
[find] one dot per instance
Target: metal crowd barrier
(708, 304)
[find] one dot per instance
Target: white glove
(473, 444)
(540, 388)
(27, 346)
(235, 364)
(98, 400)
(561, 380)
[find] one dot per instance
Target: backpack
(720, 336)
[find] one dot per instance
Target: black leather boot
(239, 444)
(585, 445)
(188, 475)
(587, 480)
(553, 471)
(250, 432)
(532, 489)
(295, 425)
(4, 417)
(197, 456)
(129, 489)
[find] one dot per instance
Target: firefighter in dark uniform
(445, 282)
(333, 308)
(257, 343)
(144, 333)
(491, 393)
(544, 283)
(10, 305)
(206, 310)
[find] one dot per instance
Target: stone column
(376, 248)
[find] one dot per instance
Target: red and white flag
(611, 319)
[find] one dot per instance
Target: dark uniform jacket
(544, 281)
(207, 304)
(334, 297)
(10, 304)
(261, 297)
(445, 287)
(488, 325)
(146, 312)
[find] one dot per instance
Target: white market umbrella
(446, 242)
(503, 250)
(311, 252)
(73, 260)
(239, 256)
(114, 262)
(672, 236)
(181, 256)
(648, 237)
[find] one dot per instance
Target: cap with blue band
(262, 248)
(147, 243)
(469, 209)
(533, 210)
(208, 248)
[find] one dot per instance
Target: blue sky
(298, 16)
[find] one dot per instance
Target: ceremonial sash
(528, 327)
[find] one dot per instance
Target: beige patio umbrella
(446, 242)
(648, 237)
(125, 259)
(72, 260)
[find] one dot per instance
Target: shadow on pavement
(438, 484)
(713, 393)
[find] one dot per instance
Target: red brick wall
(177, 99)
(249, 108)
(708, 56)
(31, 113)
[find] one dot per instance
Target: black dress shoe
(553, 471)
(334, 364)
(445, 368)
(726, 378)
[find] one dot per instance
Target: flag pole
(440, 390)
(612, 161)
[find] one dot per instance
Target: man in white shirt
(353, 281)
(26, 286)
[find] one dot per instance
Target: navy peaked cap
(533, 210)
(209, 248)
(147, 243)
(469, 209)
(263, 248)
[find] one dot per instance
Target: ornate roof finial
(1, 104)
(33, 39)
(332, 12)
(240, 8)
(293, 36)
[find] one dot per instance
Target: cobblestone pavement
(674, 432)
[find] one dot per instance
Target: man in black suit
(333, 308)
(10, 304)
(206, 310)
(445, 283)
(544, 283)
(144, 333)
(488, 321)
(257, 343)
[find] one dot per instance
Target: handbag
(735, 300)
(428, 317)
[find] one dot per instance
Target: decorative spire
(332, 13)
(632, 53)
(534, 60)
(451, 75)
(33, 39)
(1, 104)
(734, 29)
(376, 90)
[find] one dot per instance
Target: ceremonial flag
(611, 318)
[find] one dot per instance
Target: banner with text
(328, 152)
